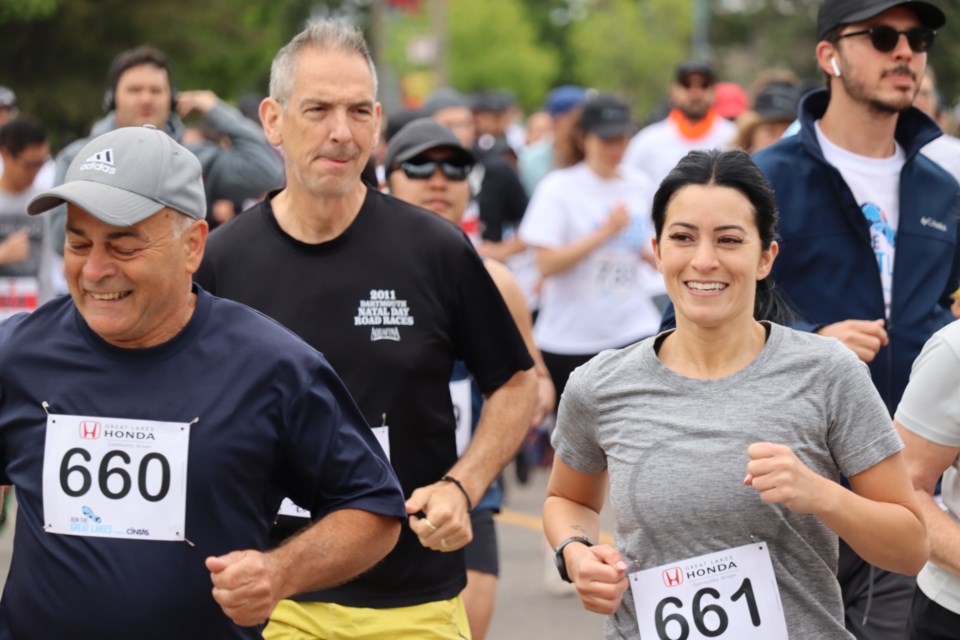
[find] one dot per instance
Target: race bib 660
(115, 478)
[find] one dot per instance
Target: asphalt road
(525, 609)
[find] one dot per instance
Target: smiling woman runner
(676, 421)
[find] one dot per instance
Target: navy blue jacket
(827, 267)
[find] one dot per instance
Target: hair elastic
(462, 490)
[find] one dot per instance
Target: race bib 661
(730, 594)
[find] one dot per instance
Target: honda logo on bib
(673, 577)
(89, 430)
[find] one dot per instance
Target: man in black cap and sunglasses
(868, 227)
(415, 156)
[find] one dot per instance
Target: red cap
(731, 100)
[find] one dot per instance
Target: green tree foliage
(631, 47)
(493, 44)
(751, 35)
(764, 34)
(551, 19)
(56, 52)
(57, 62)
(25, 10)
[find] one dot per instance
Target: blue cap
(565, 98)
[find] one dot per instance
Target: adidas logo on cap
(100, 161)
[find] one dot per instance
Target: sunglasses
(885, 38)
(424, 169)
(687, 84)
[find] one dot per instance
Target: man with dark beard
(868, 227)
(693, 123)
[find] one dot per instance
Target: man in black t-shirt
(392, 295)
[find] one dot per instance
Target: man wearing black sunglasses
(868, 228)
(426, 165)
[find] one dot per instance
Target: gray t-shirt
(930, 408)
(676, 451)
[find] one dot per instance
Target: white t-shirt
(604, 300)
(875, 183)
(945, 151)
(658, 148)
(930, 408)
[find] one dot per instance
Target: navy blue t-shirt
(273, 420)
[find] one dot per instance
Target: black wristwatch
(561, 563)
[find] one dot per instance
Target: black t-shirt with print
(391, 303)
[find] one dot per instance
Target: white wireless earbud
(836, 67)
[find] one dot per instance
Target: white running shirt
(604, 301)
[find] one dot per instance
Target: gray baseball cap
(422, 135)
(127, 175)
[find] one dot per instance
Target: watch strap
(558, 558)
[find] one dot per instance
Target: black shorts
(482, 553)
(560, 367)
(876, 602)
(930, 621)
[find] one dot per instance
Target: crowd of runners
(262, 373)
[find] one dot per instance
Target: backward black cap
(834, 13)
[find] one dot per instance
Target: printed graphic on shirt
(616, 265)
(384, 313)
(884, 240)
(635, 237)
(471, 224)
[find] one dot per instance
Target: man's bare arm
(249, 584)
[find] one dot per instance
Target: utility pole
(700, 41)
(378, 40)
(438, 21)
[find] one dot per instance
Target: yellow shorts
(443, 620)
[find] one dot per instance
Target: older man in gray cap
(146, 477)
